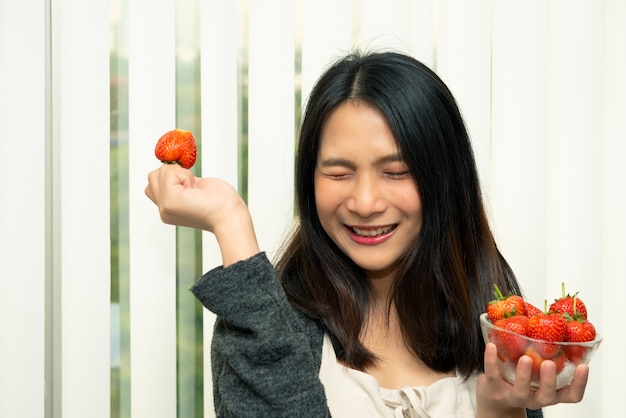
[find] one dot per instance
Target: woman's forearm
(236, 237)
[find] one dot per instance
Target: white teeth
(372, 232)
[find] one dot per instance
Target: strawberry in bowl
(562, 334)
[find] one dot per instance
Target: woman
(372, 309)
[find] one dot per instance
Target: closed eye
(335, 176)
(397, 175)
(336, 168)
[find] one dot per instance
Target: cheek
(418, 218)
(321, 197)
(326, 199)
(415, 203)
(412, 206)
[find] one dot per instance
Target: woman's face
(366, 199)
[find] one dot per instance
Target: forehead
(357, 127)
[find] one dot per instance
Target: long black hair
(446, 279)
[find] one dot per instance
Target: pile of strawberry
(565, 320)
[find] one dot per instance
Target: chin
(374, 270)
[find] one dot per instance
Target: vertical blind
(23, 208)
(94, 313)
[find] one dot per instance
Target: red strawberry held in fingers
(504, 306)
(176, 147)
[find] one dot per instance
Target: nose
(366, 197)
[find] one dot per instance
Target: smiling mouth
(373, 231)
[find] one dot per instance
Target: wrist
(482, 412)
(235, 236)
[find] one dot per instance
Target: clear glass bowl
(512, 346)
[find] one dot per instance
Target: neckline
(327, 345)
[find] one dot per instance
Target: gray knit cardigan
(265, 356)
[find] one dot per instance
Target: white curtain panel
(23, 185)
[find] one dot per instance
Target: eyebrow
(342, 162)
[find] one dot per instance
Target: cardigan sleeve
(262, 365)
(534, 413)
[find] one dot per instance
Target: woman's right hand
(496, 397)
(204, 203)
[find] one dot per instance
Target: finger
(575, 391)
(173, 176)
(523, 373)
(150, 189)
(522, 390)
(547, 375)
(491, 361)
(546, 393)
(148, 193)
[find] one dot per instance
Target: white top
(354, 394)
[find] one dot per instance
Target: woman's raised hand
(209, 204)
